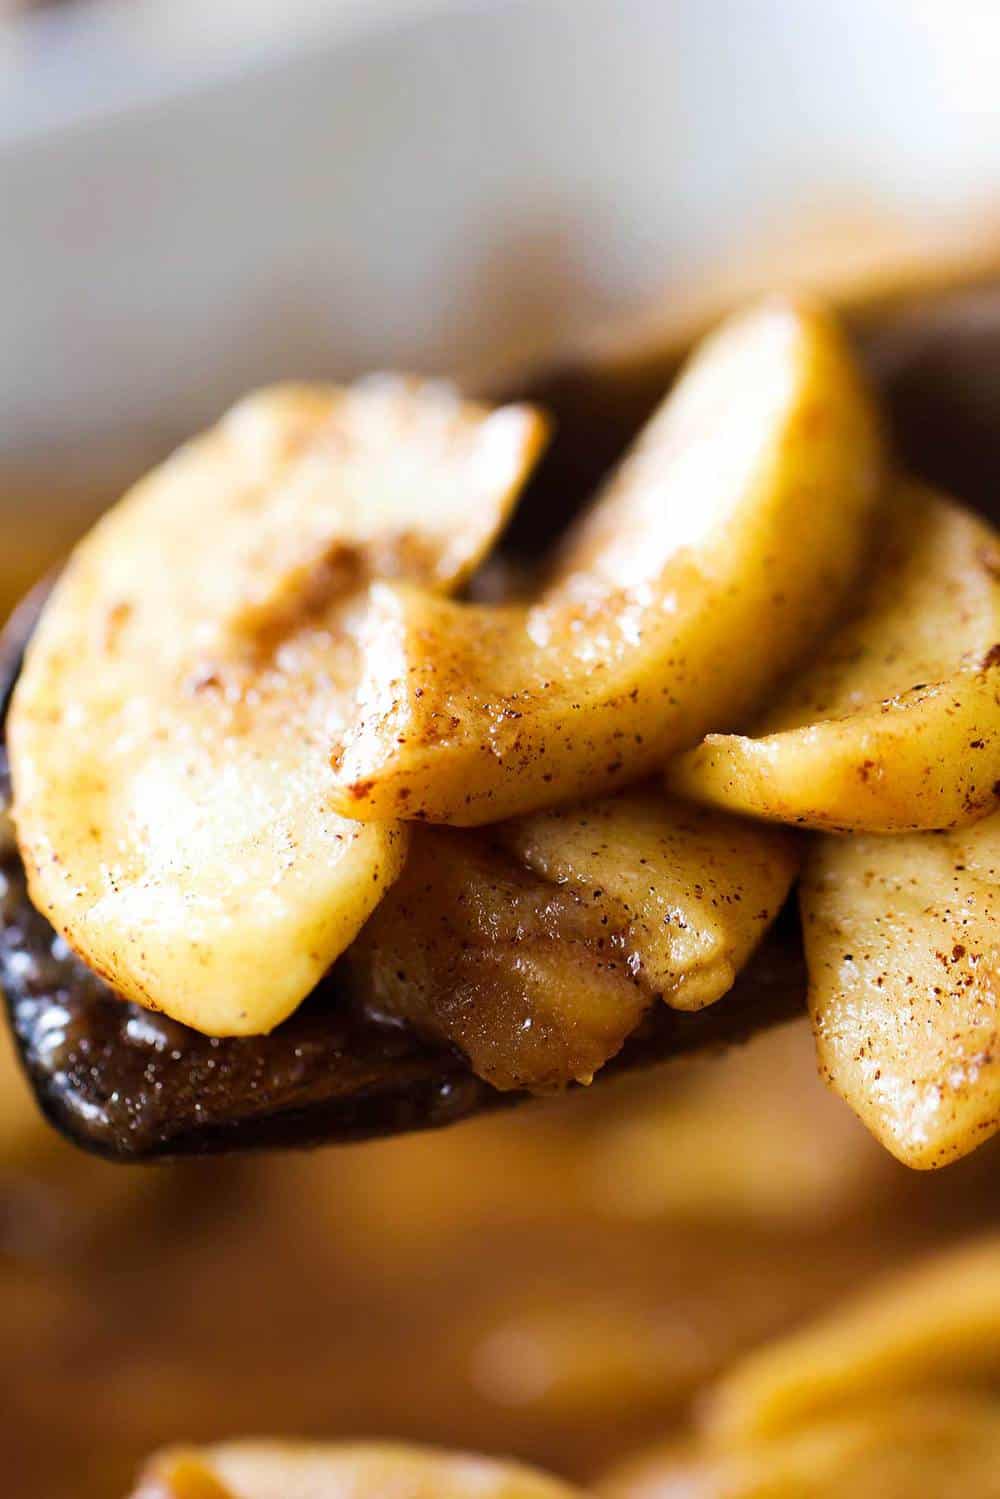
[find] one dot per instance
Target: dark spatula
(135, 1086)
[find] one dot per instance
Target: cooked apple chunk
(902, 946)
(169, 737)
(706, 568)
(697, 891)
(537, 985)
(312, 1470)
(896, 725)
(537, 948)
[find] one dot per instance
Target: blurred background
(200, 197)
(560, 1283)
(197, 198)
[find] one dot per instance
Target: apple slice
(697, 891)
(537, 947)
(896, 725)
(169, 736)
(713, 558)
(902, 939)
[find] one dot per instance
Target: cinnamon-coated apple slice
(902, 940)
(169, 734)
(896, 723)
(706, 568)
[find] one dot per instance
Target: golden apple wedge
(169, 737)
(896, 725)
(902, 940)
(706, 568)
(537, 946)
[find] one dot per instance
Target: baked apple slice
(722, 546)
(169, 734)
(902, 940)
(896, 724)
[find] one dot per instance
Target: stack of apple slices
(253, 733)
(890, 737)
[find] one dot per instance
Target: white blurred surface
(450, 184)
(67, 62)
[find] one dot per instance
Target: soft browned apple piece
(536, 947)
(312, 1470)
(537, 985)
(698, 889)
(710, 562)
(902, 939)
